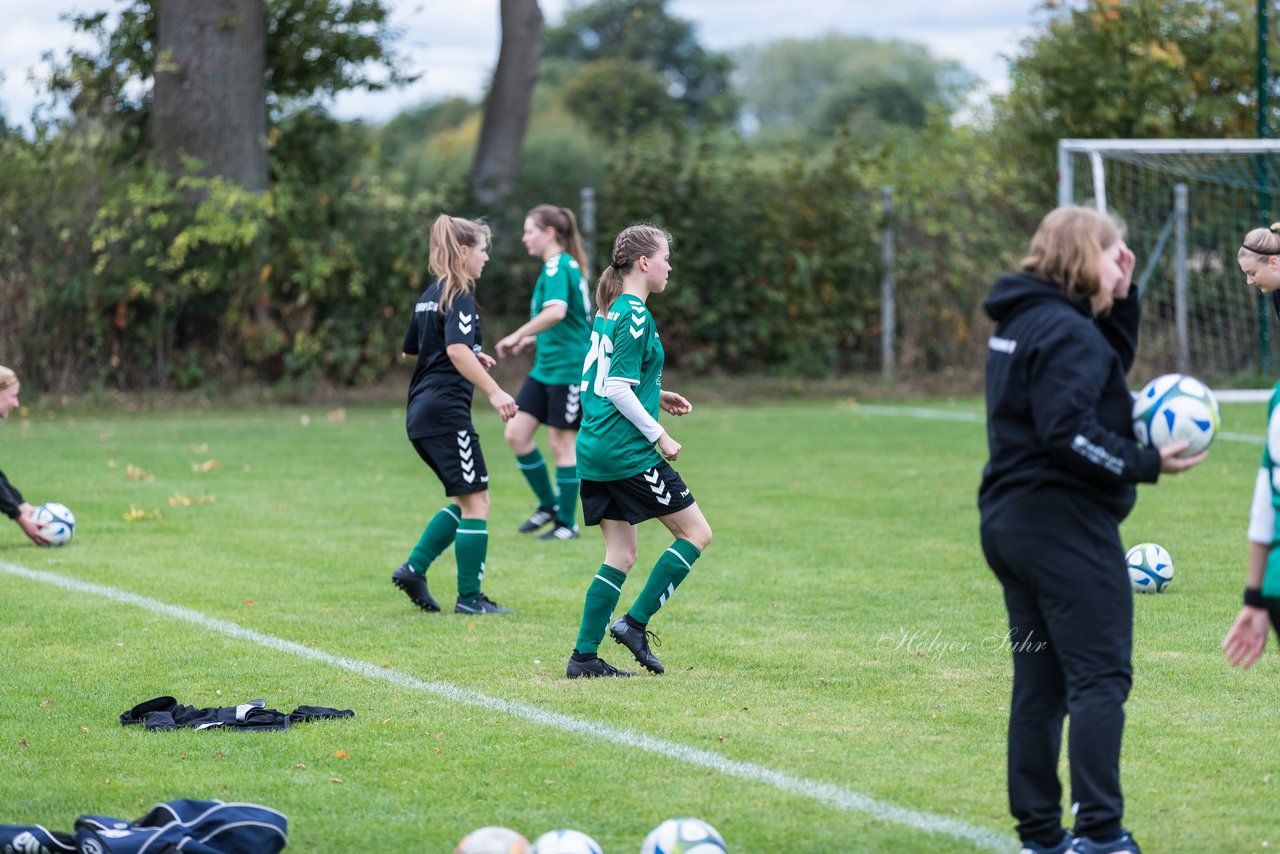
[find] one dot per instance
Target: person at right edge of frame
(1259, 258)
(1063, 472)
(625, 481)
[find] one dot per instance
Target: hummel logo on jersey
(684, 494)
(430, 305)
(658, 487)
(464, 457)
(637, 324)
(572, 403)
(464, 323)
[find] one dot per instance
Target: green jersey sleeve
(632, 337)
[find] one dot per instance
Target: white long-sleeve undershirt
(622, 393)
(1262, 515)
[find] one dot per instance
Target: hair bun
(1274, 228)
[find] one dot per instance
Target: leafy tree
(314, 49)
(644, 32)
(617, 97)
(1129, 69)
(822, 84)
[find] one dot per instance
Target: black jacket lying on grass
(1059, 411)
(165, 713)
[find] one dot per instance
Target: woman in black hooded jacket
(1063, 473)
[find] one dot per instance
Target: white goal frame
(1095, 150)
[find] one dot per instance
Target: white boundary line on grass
(825, 793)
(979, 418)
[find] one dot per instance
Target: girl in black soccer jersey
(1063, 472)
(11, 501)
(444, 334)
(560, 324)
(625, 480)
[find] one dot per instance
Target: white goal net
(1187, 205)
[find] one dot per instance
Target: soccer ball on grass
(57, 523)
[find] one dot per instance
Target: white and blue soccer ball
(683, 836)
(1150, 568)
(56, 522)
(1174, 408)
(566, 842)
(493, 840)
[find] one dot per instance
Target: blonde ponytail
(447, 260)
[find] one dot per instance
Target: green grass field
(842, 631)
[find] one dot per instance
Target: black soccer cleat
(415, 587)
(561, 532)
(541, 517)
(482, 605)
(592, 668)
(637, 640)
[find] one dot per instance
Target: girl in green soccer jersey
(1259, 259)
(444, 337)
(625, 480)
(559, 326)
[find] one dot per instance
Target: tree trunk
(510, 99)
(210, 88)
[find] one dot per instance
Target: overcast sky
(454, 44)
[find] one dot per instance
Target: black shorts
(456, 459)
(648, 495)
(554, 405)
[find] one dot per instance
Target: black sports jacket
(1059, 411)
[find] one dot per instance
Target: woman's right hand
(27, 522)
(668, 447)
(504, 403)
(1171, 463)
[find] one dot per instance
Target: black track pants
(1061, 563)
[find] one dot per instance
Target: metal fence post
(587, 220)
(1180, 276)
(888, 308)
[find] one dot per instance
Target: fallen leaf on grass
(22, 742)
(335, 780)
(341, 754)
(133, 472)
(250, 602)
(44, 704)
(337, 416)
(207, 465)
(300, 765)
(137, 514)
(85, 730)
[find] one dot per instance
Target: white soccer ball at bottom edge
(566, 841)
(56, 522)
(1150, 568)
(683, 836)
(493, 840)
(1174, 408)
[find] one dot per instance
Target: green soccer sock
(567, 482)
(666, 576)
(436, 537)
(602, 596)
(534, 469)
(470, 548)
